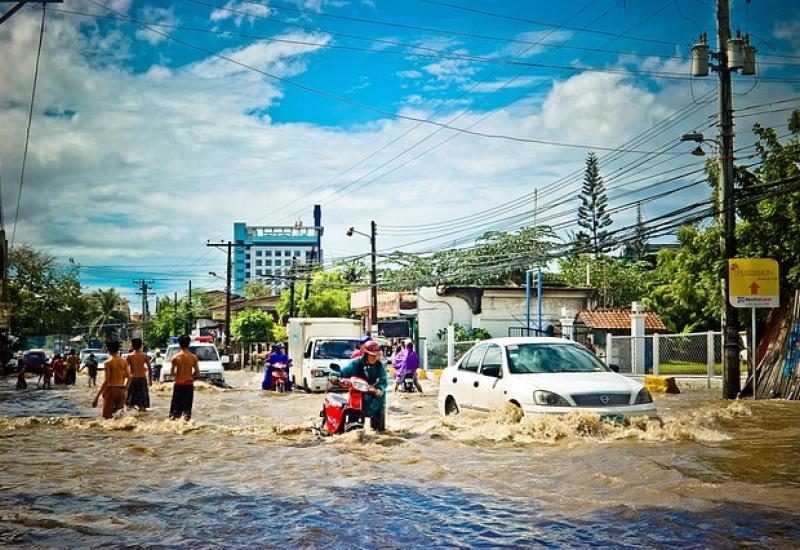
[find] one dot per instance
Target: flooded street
(248, 471)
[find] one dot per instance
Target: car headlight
(549, 399)
(643, 397)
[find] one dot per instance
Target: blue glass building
(266, 253)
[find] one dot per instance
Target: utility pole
(229, 247)
(291, 289)
(189, 320)
(175, 312)
(374, 276)
(20, 4)
(731, 383)
(144, 286)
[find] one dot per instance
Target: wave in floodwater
(504, 425)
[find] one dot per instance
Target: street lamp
(699, 139)
(373, 273)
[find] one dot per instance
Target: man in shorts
(73, 362)
(91, 366)
(184, 370)
(117, 379)
(139, 363)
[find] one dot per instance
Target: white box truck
(316, 343)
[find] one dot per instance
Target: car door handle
(455, 380)
(476, 383)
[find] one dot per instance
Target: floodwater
(248, 472)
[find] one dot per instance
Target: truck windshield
(335, 349)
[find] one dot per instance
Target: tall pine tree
(638, 247)
(592, 215)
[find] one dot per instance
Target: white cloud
(155, 162)
(409, 74)
(240, 11)
(789, 31)
(160, 16)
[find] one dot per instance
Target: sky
(157, 125)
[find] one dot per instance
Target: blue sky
(143, 146)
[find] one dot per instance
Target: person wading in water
(139, 362)
(117, 379)
(185, 369)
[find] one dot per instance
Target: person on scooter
(370, 368)
(277, 356)
(361, 343)
(407, 361)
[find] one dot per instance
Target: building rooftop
(619, 319)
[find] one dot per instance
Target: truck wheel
(306, 387)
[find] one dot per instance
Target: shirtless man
(73, 362)
(117, 378)
(139, 362)
(185, 369)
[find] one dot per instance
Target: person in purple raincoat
(407, 361)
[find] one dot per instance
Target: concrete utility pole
(373, 279)
(292, 278)
(175, 312)
(228, 246)
(144, 287)
(731, 382)
(189, 320)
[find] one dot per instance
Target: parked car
(34, 359)
(83, 355)
(540, 375)
(100, 357)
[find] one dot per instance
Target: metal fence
(698, 354)
(434, 354)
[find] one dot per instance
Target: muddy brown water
(248, 472)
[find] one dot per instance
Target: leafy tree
(498, 258)
(252, 325)
(464, 334)
(43, 297)
(618, 282)
(592, 216)
(103, 311)
(257, 289)
(685, 288)
(328, 296)
(279, 334)
(769, 226)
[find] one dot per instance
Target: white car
(540, 375)
(210, 363)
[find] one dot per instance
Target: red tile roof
(619, 319)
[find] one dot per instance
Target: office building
(266, 253)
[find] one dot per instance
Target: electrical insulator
(749, 65)
(700, 57)
(736, 52)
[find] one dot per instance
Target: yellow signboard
(753, 282)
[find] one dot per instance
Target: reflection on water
(248, 470)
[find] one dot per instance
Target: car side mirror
(614, 368)
(335, 368)
(225, 359)
(493, 371)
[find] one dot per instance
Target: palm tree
(104, 312)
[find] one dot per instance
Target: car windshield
(205, 353)
(335, 349)
(99, 357)
(544, 358)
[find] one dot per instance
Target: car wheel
(450, 406)
(306, 387)
(518, 408)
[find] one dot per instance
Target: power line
(30, 120)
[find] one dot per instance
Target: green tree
(328, 296)
(255, 290)
(104, 313)
(252, 325)
(638, 246)
(464, 334)
(685, 286)
(498, 258)
(43, 297)
(618, 282)
(592, 216)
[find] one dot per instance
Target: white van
(210, 363)
(316, 343)
(320, 354)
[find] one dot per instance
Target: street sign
(753, 282)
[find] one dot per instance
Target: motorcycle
(275, 377)
(342, 413)
(408, 385)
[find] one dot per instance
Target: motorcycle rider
(361, 343)
(407, 361)
(277, 356)
(369, 367)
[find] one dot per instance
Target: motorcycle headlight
(643, 397)
(549, 399)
